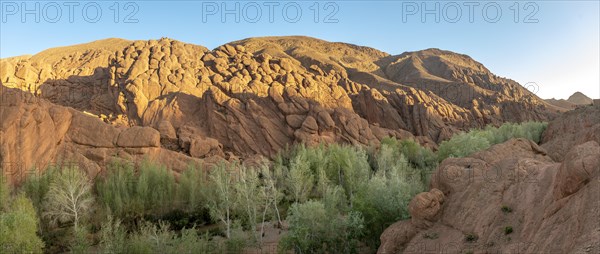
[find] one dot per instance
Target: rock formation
(118, 98)
(515, 197)
(37, 134)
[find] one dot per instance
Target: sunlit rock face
(515, 197)
(177, 102)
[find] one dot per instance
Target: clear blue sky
(560, 53)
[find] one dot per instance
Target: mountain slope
(515, 197)
(579, 99)
(576, 99)
(256, 96)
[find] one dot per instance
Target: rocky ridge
(118, 98)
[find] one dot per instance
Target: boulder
(138, 136)
(295, 121)
(166, 130)
(426, 205)
(91, 131)
(310, 125)
(202, 147)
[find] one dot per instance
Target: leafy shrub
(335, 199)
(18, 227)
(342, 177)
(464, 144)
(310, 170)
(508, 230)
(529, 130)
(150, 238)
(506, 209)
(117, 191)
(471, 237)
(126, 194)
(237, 240)
(80, 243)
(300, 178)
(345, 166)
(421, 159)
(461, 145)
(155, 188)
(249, 198)
(384, 198)
(190, 242)
(36, 187)
(315, 229)
(192, 190)
(112, 237)
(417, 155)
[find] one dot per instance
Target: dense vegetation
(463, 144)
(330, 198)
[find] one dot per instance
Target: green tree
(346, 166)
(36, 186)
(384, 198)
(319, 228)
(300, 179)
(117, 190)
(192, 190)
(18, 227)
(155, 188)
(153, 191)
(417, 155)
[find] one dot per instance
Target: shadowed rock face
(118, 98)
(549, 198)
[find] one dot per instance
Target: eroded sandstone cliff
(117, 98)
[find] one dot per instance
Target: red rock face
(179, 102)
(550, 199)
(37, 134)
(572, 128)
